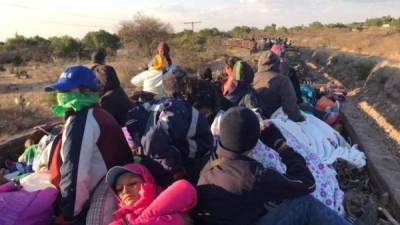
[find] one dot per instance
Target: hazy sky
(75, 18)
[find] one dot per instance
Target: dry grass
(374, 41)
(15, 118)
(37, 108)
(126, 69)
(37, 111)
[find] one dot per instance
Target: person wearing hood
(172, 135)
(235, 189)
(164, 52)
(275, 90)
(240, 92)
(288, 70)
(113, 98)
(142, 201)
(203, 96)
(90, 143)
(205, 74)
(98, 58)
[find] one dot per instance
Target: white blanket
(318, 143)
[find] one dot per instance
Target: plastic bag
(36, 181)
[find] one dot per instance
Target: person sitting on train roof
(234, 189)
(274, 89)
(142, 201)
(113, 98)
(238, 87)
(91, 143)
(172, 134)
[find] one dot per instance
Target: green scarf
(73, 101)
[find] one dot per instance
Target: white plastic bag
(36, 181)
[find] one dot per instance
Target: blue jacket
(173, 135)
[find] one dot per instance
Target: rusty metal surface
(14, 146)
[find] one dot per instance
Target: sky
(75, 18)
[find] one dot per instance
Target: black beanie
(239, 130)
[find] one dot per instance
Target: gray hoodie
(275, 90)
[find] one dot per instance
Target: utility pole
(192, 23)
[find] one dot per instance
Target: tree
(65, 46)
(336, 25)
(295, 29)
(396, 24)
(270, 29)
(25, 48)
(213, 32)
(144, 32)
(374, 22)
(240, 31)
(316, 25)
(101, 40)
(282, 30)
(273, 26)
(377, 22)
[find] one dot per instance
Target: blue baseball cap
(74, 77)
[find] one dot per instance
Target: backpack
(308, 94)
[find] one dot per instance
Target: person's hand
(272, 137)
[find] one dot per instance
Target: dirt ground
(380, 42)
(376, 91)
(24, 104)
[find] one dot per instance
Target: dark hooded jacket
(114, 99)
(241, 93)
(233, 188)
(174, 137)
(289, 71)
(275, 90)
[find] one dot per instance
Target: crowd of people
(246, 150)
(266, 43)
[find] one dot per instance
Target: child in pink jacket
(142, 202)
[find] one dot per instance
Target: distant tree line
(273, 29)
(20, 49)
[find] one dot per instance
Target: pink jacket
(157, 207)
(25, 208)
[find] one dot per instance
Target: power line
(192, 23)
